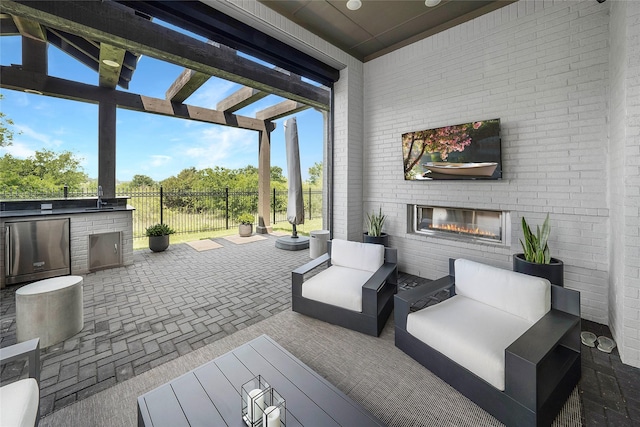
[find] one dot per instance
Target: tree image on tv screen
(450, 147)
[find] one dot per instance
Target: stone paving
(164, 305)
(170, 303)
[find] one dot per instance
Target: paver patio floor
(164, 305)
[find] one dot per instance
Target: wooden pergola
(110, 37)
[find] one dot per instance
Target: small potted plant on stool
(536, 259)
(159, 237)
(375, 234)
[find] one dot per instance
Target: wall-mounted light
(431, 3)
(33, 91)
(354, 4)
(110, 63)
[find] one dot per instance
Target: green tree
(142, 181)
(6, 133)
(315, 174)
(45, 170)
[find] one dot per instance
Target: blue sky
(148, 144)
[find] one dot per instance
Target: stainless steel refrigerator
(36, 250)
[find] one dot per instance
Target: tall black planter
(379, 240)
(554, 272)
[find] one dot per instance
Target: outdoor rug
(204, 245)
(372, 371)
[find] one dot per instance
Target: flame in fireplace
(462, 229)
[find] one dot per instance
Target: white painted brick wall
(542, 68)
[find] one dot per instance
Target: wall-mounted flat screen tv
(466, 151)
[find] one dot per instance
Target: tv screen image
(465, 151)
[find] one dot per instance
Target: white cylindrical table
(318, 242)
(49, 309)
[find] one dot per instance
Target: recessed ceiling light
(33, 91)
(110, 63)
(354, 4)
(431, 3)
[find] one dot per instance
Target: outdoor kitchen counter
(90, 229)
(62, 211)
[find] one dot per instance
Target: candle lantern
(252, 395)
(274, 413)
(262, 405)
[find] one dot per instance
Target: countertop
(63, 211)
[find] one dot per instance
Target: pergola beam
(31, 29)
(109, 22)
(240, 99)
(17, 79)
(110, 74)
(187, 82)
(283, 109)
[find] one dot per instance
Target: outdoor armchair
(508, 341)
(354, 291)
(20, 400)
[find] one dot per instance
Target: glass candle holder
(252, 395)
(274, 413)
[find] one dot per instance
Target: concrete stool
(49, 309)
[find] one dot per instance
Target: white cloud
(31, 136)
(18, 150)
(218, 145)
(159, 160)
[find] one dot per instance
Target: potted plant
(375, 234)
(159, 237)
(536, 259)
(245, 228)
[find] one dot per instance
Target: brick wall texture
(563, 79)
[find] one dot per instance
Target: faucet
(100, 203)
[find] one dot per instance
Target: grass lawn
(303, 229)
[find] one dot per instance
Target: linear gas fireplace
(462, 223)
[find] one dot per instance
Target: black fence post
(161, 219)
(226, 198)
(309, 202)
(274, 206)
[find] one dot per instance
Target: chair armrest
(534, 345)
(29, 349)
(405, 299)
(372, 290)
(297, 275)
(380, 276)
(312, 264)
(541, 356)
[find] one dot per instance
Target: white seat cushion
(522, 295)
(363, 256)
(19, 403)
(338, 286)
(472, 334)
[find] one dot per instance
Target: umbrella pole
(295, 232)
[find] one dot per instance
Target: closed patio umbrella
(295, 204)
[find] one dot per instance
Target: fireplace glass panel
(477, 224)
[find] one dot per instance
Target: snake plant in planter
(375, 234)
(535, 259)
(158, 236)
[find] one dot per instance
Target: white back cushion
(361, 256)
(522, 295)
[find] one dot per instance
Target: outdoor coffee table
(210, 395)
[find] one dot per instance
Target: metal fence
(188, 211)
